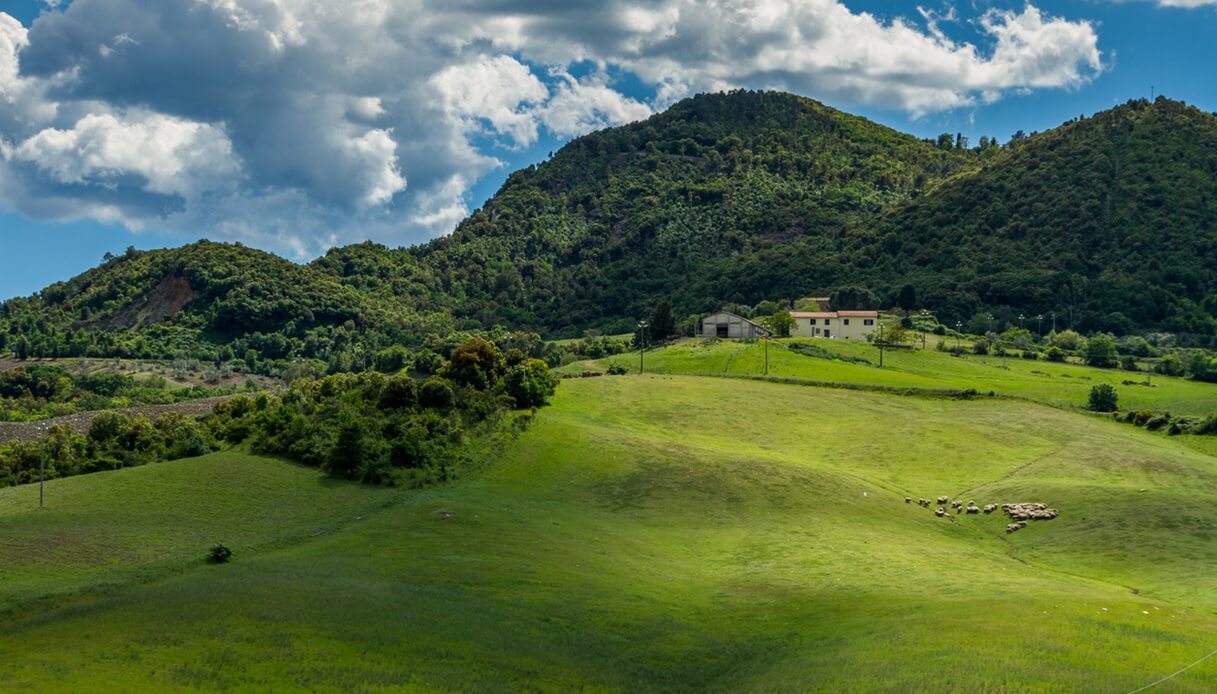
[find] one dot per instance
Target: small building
(846, 325)
(725, 324)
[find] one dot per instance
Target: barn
(725, 324)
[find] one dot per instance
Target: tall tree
(663, 324)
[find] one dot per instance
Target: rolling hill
(658, 532)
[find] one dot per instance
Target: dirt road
(31, 431)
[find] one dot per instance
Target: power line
(1177, 672)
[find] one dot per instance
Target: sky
(298, 125)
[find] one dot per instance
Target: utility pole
(881, 344)
(766, 338)
(958, 328)
(642, 345)
(1039, 326)
(41, 480)
(1054, 321)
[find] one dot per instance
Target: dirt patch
(33, 431)
(165, 300)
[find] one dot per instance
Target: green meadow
(648, 533)
(1057, 384)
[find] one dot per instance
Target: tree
(1103, 398)
(350, 447)
(780, 323)
(907, 299)
(1101, 351)
(476, 362)
(895, 334)
(663, 324)
(530, 384)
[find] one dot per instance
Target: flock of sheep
(1019, 513)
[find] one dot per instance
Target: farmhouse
(848, 325)
(725, 324)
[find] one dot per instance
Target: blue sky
(291, 132)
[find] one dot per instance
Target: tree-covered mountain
(1109, 221)
(683, 205)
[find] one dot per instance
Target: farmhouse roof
(834, 314)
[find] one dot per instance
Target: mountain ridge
(722, 199)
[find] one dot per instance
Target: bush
(1055, 354)
(1030, 355)
(436, 393)
(391, 359)
(1101, 351)
(1103, 398)
(617, 370)
(980, 347)
(1128, 362)
(530, 384)
(1140, 417)
(219, 554)
(1157, 422)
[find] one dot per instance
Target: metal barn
(729, 325)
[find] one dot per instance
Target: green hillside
(114, 528)
(691, 534)
(1108, 221)
(854, 363)
(1112, 217)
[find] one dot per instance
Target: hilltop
(1108, 221)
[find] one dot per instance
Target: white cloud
(172, 156)
(299, 122)
(580, 107)
(499, 90)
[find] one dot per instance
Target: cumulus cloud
(300, 123)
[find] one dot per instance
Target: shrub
(1055, 354)
(530, 384)
(1030, 355)
(617, 370)
(436, 393)
(1103, 398)
(391, 359)
(1141, 417)
(980, 347)
(1101, 351)
(219, 554)
(1157, 422)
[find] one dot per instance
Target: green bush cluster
(358, 426)
(38, 391)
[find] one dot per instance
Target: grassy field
(114, 528)
(668, 533)
(1062, 385)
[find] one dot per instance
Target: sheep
(940, 512)
(908, 499)
(1012, 527)
(973, 509)
(943, 499)
(990, 508)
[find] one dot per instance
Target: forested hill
(722, 199)
(1110, 221)
(1113, 217)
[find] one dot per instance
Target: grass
(1060, 385)
(680, 533)
(112, 528)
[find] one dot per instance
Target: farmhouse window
(868, 321)
(846, 321)
(813, 321)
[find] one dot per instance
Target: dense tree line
(369, 426)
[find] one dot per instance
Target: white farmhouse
(847, 325)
